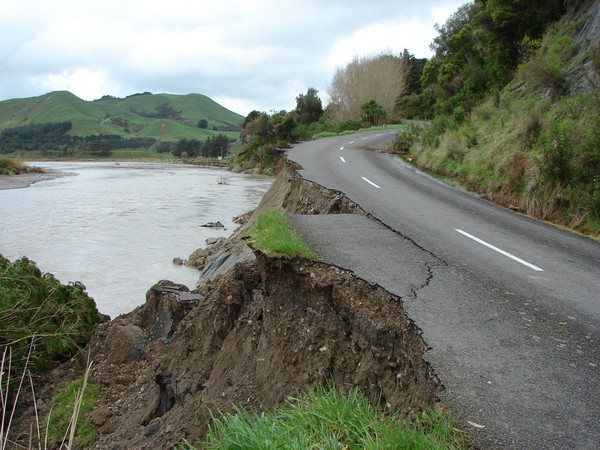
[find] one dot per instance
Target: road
(509, 306)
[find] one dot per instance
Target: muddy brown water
(117, 228)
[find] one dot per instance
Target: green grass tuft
(326, 418)
(273, 235)
(62, 414)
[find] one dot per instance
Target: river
(117, 227)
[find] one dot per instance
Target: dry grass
(9, 400)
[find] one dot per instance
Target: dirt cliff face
(253, 333)
(266, 329)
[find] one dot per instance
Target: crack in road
(429, 266)
(428, 280)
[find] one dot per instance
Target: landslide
(254, 331)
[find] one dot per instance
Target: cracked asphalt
(515, 347)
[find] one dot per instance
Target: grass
(71, 404)
(273, 235)
(361, 130)
(526, 152)
(65, 427)
(15, 166)
(327, 418)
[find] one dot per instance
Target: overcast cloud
(244, 54)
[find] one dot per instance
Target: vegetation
(479, 47)
(212, 147)
(373, 113)
(380, 78)
(38, 312)
(60, 125)
(326, 418)
(526, 144)
(273, 235)
(42, 324)
(263, 135)
(14, 166)
(70, 406)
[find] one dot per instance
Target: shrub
(405, 139)
(349, 125)
(568, 158)
(36, 308)
(14, 166)
(431, 135)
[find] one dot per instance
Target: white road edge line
(341, 148)
(371, 183)
(502, 252)
(342, 158)
(351, 142)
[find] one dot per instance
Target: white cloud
(88, 83)
(251, 54)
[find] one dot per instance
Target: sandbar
(27, 179)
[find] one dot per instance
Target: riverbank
(256, 330)
(27, 179)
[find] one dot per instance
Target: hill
(164, 117)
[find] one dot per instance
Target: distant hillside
(164, 117)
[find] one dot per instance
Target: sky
(244, 54)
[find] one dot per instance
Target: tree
(309, 107)
(373, 113)
(480, 46)
(203, 123)
(187, 148)
(216, 146)
(382, 78)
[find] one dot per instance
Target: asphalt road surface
(509, 306)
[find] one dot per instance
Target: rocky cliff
(255, 330)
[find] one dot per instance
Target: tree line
(212, 147)
(51, 137)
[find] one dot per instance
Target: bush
(37, 310)
(568, 157)
(405, 139)
(545, 70)
(349, 125)
(14, 166)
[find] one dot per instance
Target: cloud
(245, 54)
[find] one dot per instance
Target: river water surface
(117, 228)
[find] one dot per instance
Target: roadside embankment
(255, 330)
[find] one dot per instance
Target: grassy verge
(526, 153)
(360, 130)
(273, 235)
(326, 418)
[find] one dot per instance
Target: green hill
(164, 117)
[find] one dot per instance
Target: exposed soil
(253, 332)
